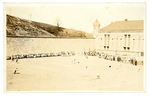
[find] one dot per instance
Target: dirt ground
(74, 73)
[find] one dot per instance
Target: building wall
(47, 45)
(121, 43)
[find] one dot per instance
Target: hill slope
(20, 27)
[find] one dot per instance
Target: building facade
(122, 38)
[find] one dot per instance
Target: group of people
(52, 54)
(110, 57)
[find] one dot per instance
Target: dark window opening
(124, 48)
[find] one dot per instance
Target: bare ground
(75, 73)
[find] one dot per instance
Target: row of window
(106, 47)
(121, 39)
(106, 35)
(125, 48)
(126, 39)
(127, 35)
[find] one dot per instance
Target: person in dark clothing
(15, 72)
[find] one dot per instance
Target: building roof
(125, 26)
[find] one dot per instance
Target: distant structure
(96, 26)
(121, 38)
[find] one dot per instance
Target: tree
(58, 24)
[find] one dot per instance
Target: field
(67, 73)
(75, 73)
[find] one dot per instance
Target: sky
(77, 16)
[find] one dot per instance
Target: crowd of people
(71, 53)
(52, 54)
(124, 59)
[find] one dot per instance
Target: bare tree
(58, 22)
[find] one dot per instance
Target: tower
(96, 28)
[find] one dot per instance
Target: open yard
(74, 73)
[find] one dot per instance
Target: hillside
(20, 27)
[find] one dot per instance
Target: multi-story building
(121, 38)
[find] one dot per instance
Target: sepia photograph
(66, 47)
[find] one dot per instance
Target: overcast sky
(78, 16)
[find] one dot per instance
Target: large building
(121, 38)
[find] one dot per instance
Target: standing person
(86, 56)
(74, 61)
(12, 58)
(86, 67)
(97, 76)
(16, 60)
(15, 72)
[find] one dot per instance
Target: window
(106, 41)
(127, 42)
(124, 48)
(106, 47)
